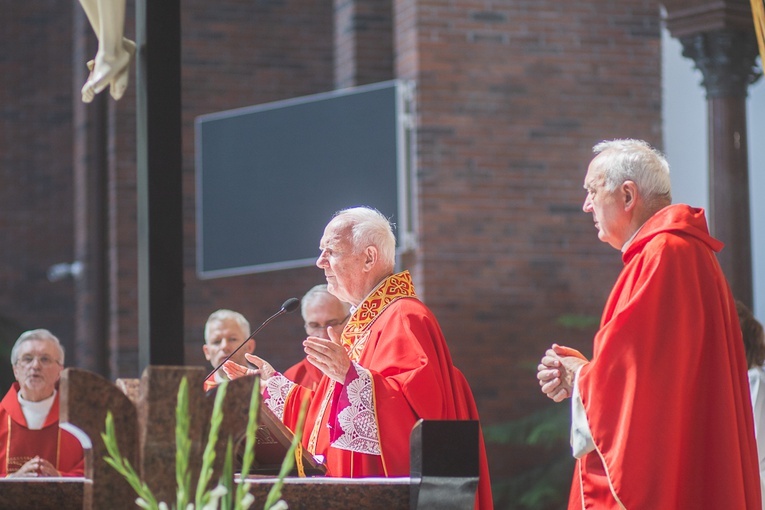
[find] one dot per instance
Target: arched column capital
(726, 59)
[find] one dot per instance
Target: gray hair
(227, 315)
(636, 161)
(37, 334)
(314, 294)
(370, 228)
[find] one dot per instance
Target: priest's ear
(629, 193)
(371, 257)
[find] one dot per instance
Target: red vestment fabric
(397, 339)
(304, 374)
(666, 394)
(18, 444)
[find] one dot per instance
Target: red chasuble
(304, 374)
(666, 393)
(20, 444)
(401, 371)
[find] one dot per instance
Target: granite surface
(337, 493)
(85, 399)
(58, 493)
(156, 416)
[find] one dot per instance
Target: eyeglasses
(315, 327)
(28, 360)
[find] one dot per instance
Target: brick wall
(35, 165)
(234, 54)
(253, 53)
(363, 42)
(510, 102)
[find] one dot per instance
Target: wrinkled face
(224, 337)
(343, 268)
(323, 312)
(37, 369)
(606, 207)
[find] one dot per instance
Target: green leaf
(549, 427)
(122, 465)
(576, 321)
(289, 460)
(249, 447)
(182, 446)
(227, 476)
(205, 474)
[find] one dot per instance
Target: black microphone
(289, 306)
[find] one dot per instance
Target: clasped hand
(557, 369)
(35, 467)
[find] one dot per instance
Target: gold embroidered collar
(393, 287)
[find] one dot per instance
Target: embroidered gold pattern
(356, 332)
(13, 464)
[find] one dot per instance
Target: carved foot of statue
(111, 71)
(118, 86)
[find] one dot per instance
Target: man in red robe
(321, 311)
(31, 442)
(660, 415)
(388, 367)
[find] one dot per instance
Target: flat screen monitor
(270, 177)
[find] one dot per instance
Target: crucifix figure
(111, 66)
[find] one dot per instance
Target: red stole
(19, 444)
(23, 444)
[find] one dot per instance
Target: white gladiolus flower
(247, 500)
(215, 495)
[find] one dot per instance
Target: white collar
(36, 412)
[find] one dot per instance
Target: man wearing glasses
(320, 310)
(31, 442)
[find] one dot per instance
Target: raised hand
(329, 356)
(234, 370)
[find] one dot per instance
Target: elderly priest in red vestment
(388, 367)
(661, 418)
(31, 442)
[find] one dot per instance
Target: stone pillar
(720, 38)
(726, 59)
(159, 183)
(91, 161)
